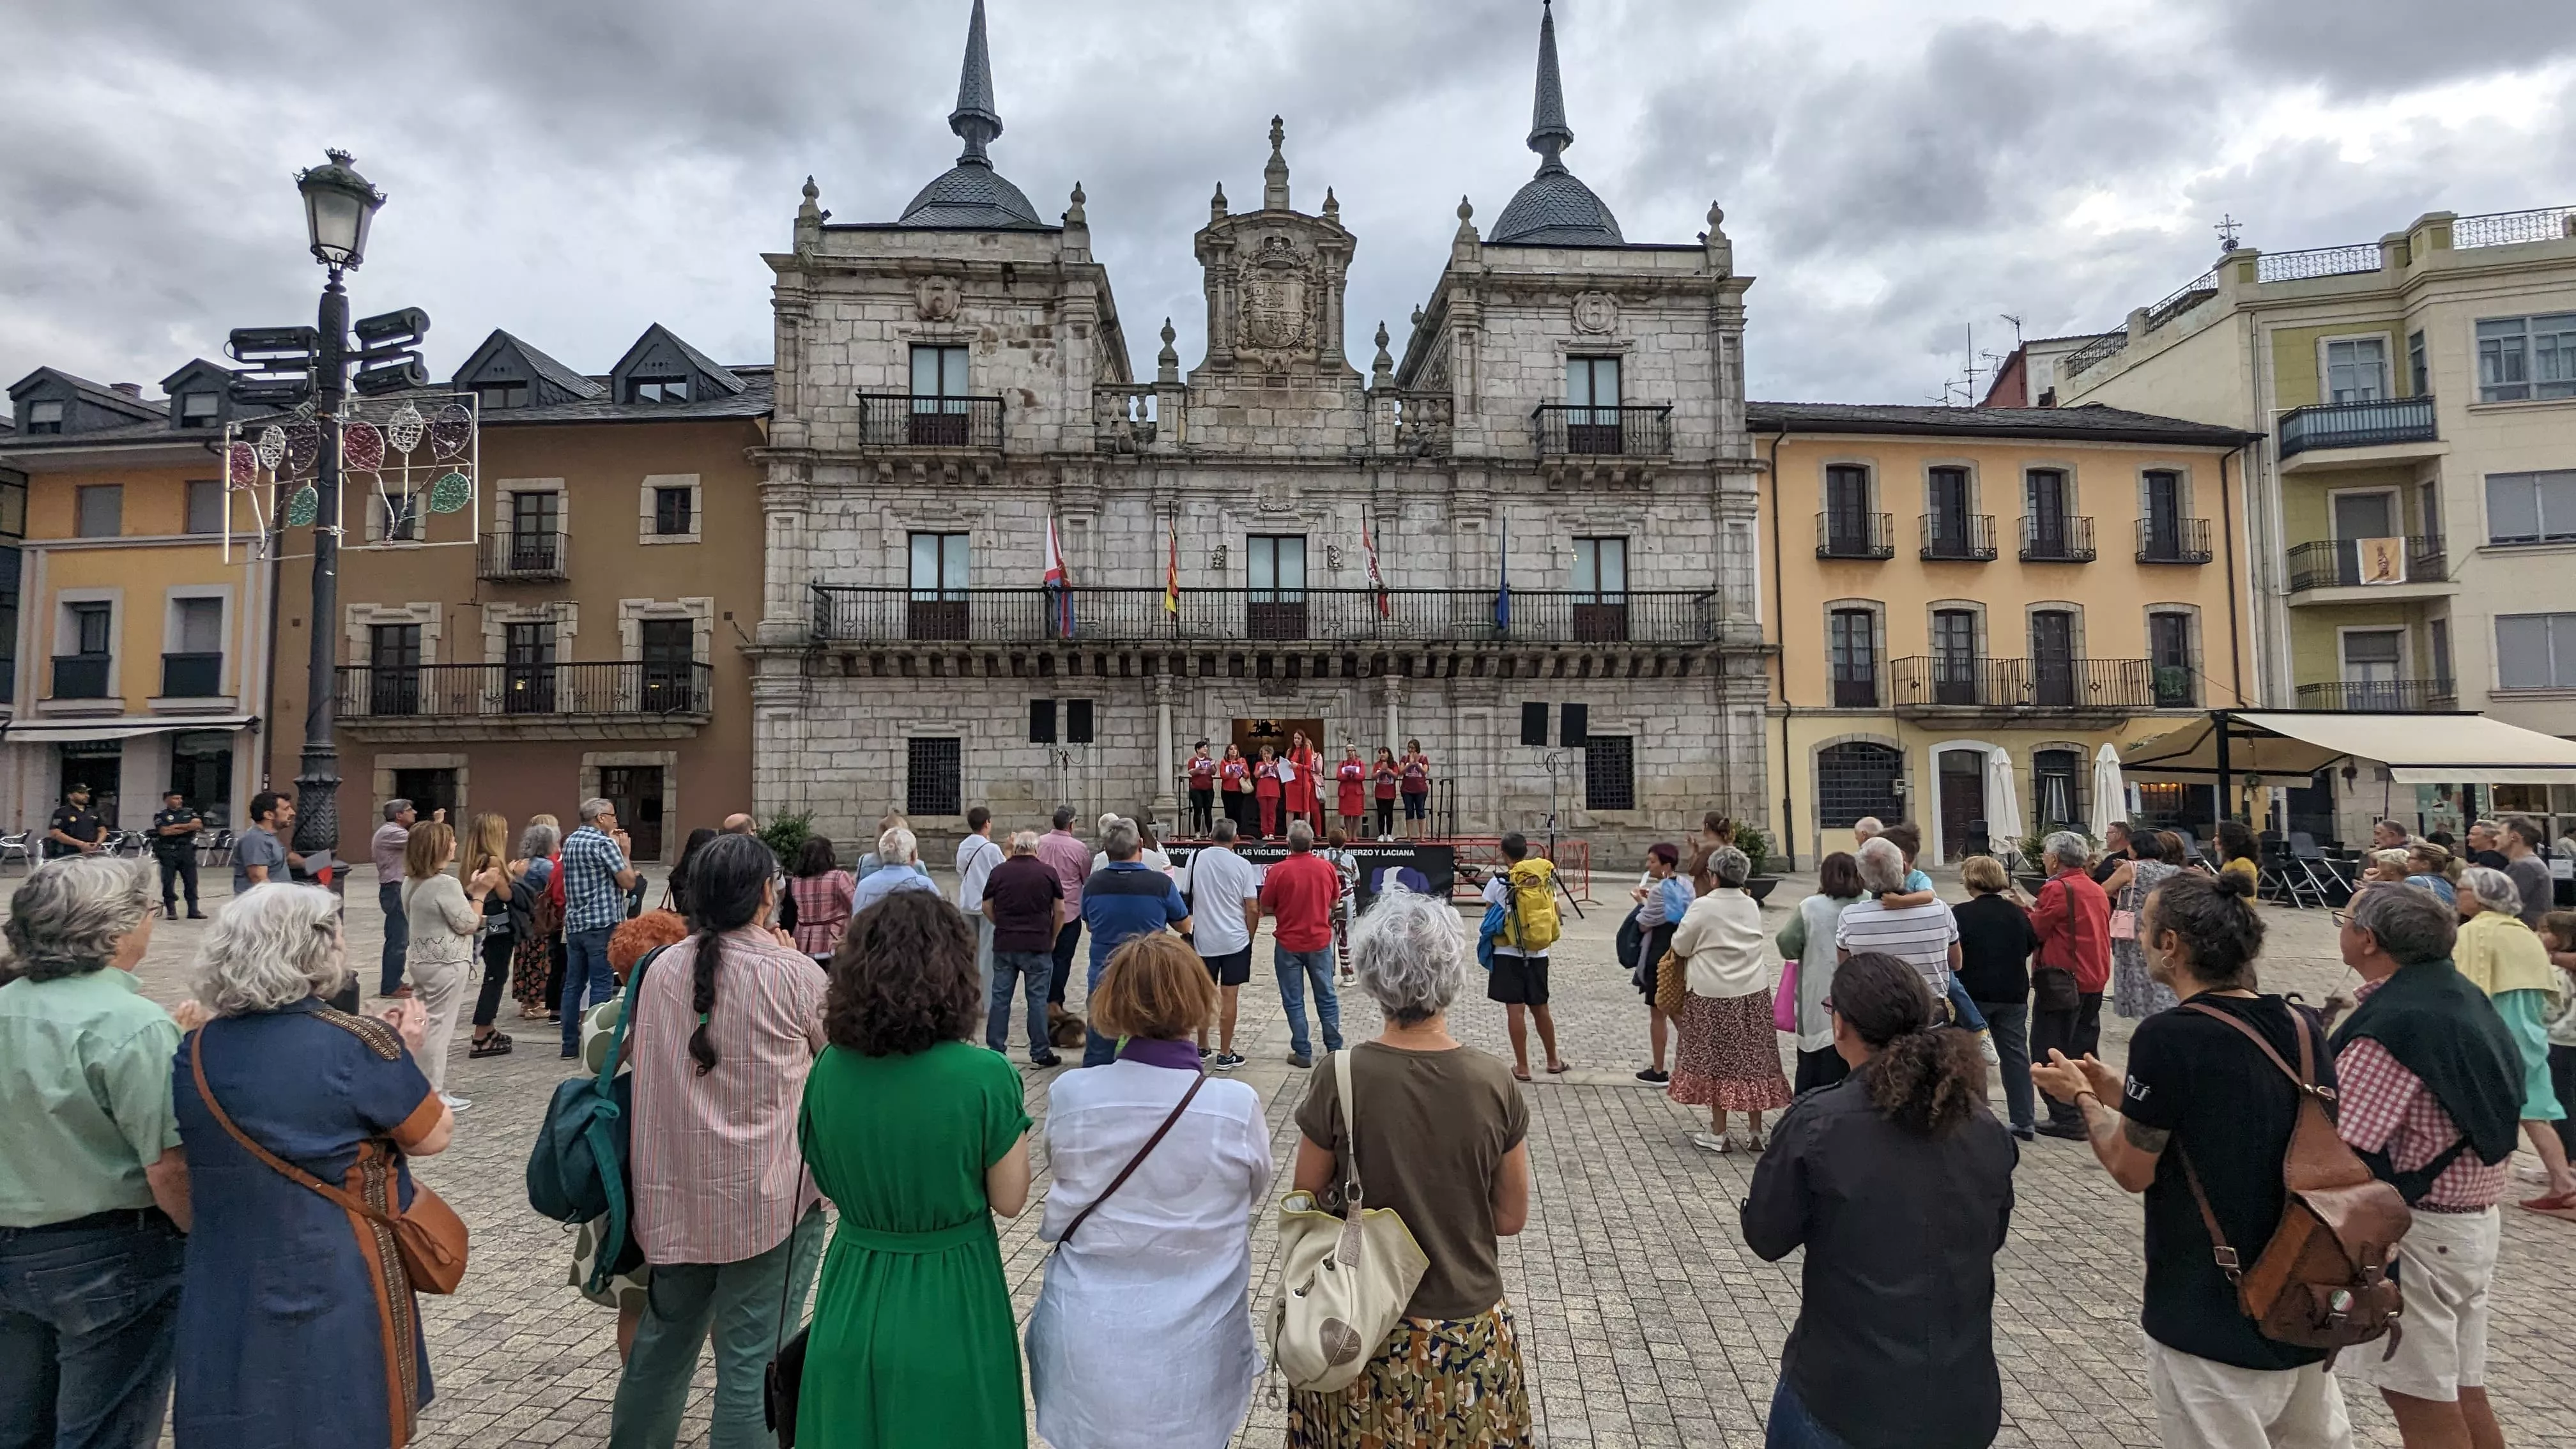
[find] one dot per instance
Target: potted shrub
(1757, 849)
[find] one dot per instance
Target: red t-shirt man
(1300, 892)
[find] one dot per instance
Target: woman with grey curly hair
(93, 1186)
(284, 1288)
(1445, 1149)
(1729, 1058)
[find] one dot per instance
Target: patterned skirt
(1729, 1055)
(1453, 1383)
(2134, 993)
(530, 962)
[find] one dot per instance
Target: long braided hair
(726, 880)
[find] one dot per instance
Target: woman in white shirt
(1142, 1335)
(1729, 1057)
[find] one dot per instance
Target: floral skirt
(1729, 1055)
(531, 960)
(1453, 1383)
(2134, 993)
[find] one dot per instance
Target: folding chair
(16, 845)
(2283, 879)
(2317, 869)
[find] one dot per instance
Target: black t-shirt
(2491, 859)
(76, 821)
(1995, 942)
(174, 845)
(1023, 891)
(2231, 1111)
(2113, 861)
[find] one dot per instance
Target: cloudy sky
(1894, 172)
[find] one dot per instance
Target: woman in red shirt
(1300, 780)
(1416, 774)
(1234, 782)
(1202, 792)
(1387, 776)
(1352, 772)
(1265, 791)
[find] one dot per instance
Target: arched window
(1858, 778)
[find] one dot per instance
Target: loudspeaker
(1572, 731)
(1077, 721)
(1534, 723)
(1041, 721)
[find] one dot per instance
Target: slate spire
(1549, 134)
(975, 119)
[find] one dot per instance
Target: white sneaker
(1712, 1142)
(1986, 1045)
(456, 1104)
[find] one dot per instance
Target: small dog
(1064, 1029)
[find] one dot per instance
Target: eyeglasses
(1827, 1003)
(2340, 916)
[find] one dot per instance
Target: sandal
(2563, 1206)
(495, 1045)
(1558, 1069)
(1520, 1074)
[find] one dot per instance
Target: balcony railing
(906, 420)
(1969, 537)
(2342, 261)
(2109, 344)
(1855, 535)
(500, 691)
(2060, 539)
(81, 676)
(523, 557)
(1634, 432)
(2504, 228)
(192, 676)
(2339, 564)
(1949, 682)
(845, 613)
(2173, 540)
(2394, 695)
(2357, 424)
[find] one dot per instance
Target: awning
(92, 731)
(2418, 749)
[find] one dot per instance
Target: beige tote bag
(1344, 1281)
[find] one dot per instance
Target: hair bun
(2235, 884)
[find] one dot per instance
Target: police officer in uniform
(75, 828)
(174, 844)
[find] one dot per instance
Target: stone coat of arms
(1277, 287)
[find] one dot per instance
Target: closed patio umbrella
(2003, 803)
(2110, 792)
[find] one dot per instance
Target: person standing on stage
(1266, 787)
(1387, 778)
(1234, 782)
(1416, 776)
(1352, 773)
(1202, 791)
(1300, 772)
(174, 845)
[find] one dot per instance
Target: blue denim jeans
(1963, 1012)
(738, 1304)
(585, 965)
(1029, 972)
(2010, 1020)
(1296, 970)
(1792, 1427)
(1097, 1050)
(397, 937)
(87, 1319)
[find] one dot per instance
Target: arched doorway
(1961, 783)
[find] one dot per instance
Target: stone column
(1394, 691)
(1166, 800)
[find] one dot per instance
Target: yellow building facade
(1944, 582)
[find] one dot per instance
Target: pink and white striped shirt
(716, 1163)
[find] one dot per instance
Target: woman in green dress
(918, 1138)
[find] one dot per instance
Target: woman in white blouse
(1143, 1333)
(1729, 1058)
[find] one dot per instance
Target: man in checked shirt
(2430, 1091)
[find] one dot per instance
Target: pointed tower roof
(972, 194)
(1554, 208)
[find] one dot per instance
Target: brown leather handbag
(2322, 1281)
(428, 1236)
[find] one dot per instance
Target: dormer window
(44, 417)
(197, 409)
(657, 389)
(495, 395)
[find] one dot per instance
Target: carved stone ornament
(1595, 312)
(1274, 498)
(938, 298)
(1279, 299)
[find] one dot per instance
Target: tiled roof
(2090, 421)
(99, 393)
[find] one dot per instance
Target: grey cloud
(2374, 47)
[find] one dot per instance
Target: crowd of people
(236, 1177)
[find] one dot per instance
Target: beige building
(2414, 501)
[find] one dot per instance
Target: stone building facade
(1529, 545)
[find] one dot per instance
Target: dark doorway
(201, 770)
(669, 655)
(1963, 799)
(428, 790)
(636, 791)
(2052, 659)
(100, 765)
(393, 674)
(1273, 730)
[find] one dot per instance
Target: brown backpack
(2322, 1281)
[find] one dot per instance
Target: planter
(1760, 887)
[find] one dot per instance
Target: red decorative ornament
(362, 448)
(453, 430)
(241, 465)
(303, 447)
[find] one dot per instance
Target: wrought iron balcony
(2056, 540)
(908, 420)
(1936, 682)
(2173, 540)
(1969, 537)
(192, 676)
(81, 676)
(1855, 535)
(501, 691)
(2390, 695)
(523, 557)
(2358, 424)
(1564, 429)
(851, 614)
(2339, 564)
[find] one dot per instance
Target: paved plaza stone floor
(1645, 1320)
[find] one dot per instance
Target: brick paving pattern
(1645, 1320)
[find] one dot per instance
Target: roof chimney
(130, 389)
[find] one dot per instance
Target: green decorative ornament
(303, 506)
(451, 493)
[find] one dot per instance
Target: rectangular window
(201, 626)
(657, 389)
(1847, 501)
(2535, 651)
(101, 510)
(2357, 370)
(2428, 509)
(1600, 570)
(2372, 656)
(2052, 658)
(44, 417)
(538, 512)
(2531, 507)
(13, 504)
(393, 646)
(1278, 568)
(2419, 371)
(393, 676)
(938, 372)
(1852, 639)
(668, 651)
(674, 510)
(398, 517)
(2169, 656)
(1592, 382)
(1609, 772)
(205, 505)
(1954, 656)
(934, 781)
(939, 566)
(197, 409)
(2439, 632)
(2520, 358)
(496, 396)
(92, 628)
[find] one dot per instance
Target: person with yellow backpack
(1525, 889)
